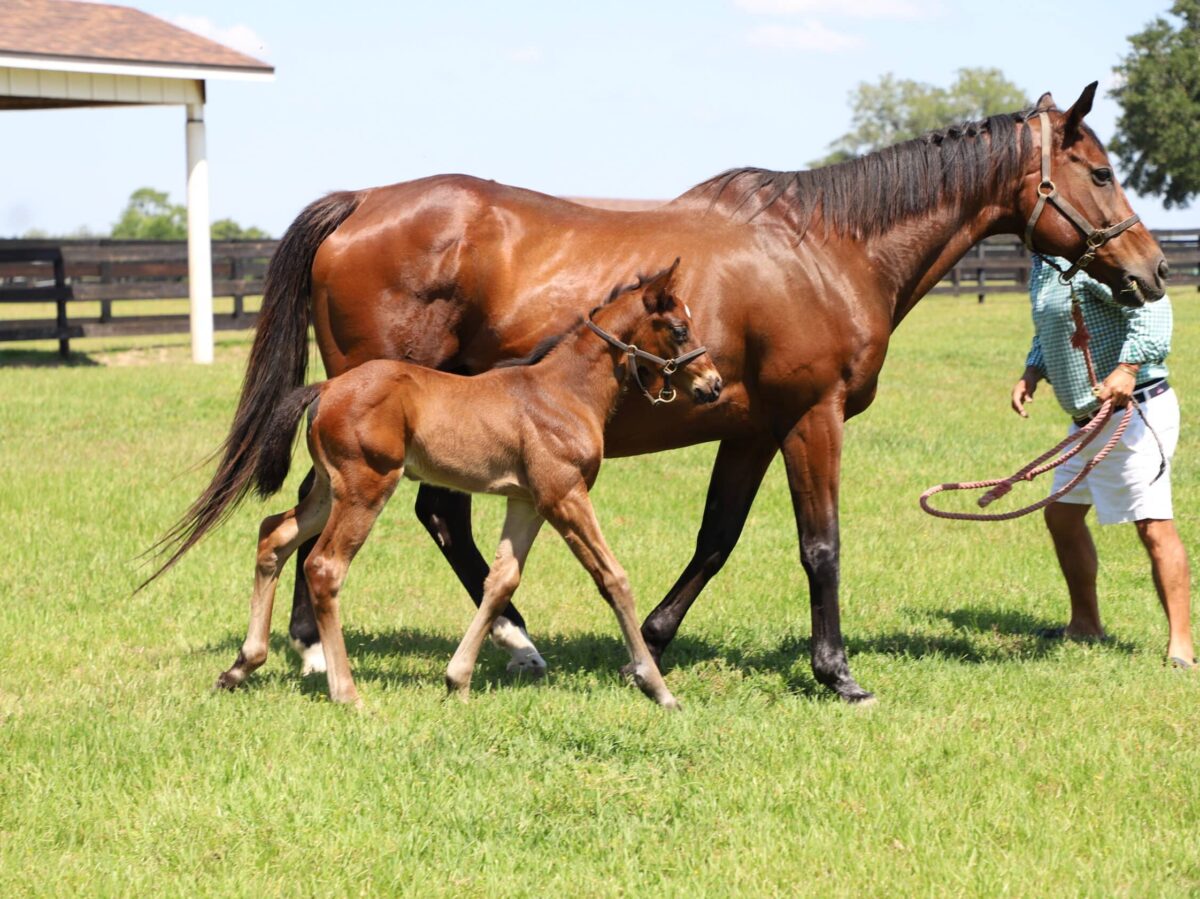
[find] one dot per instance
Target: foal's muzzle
(708, 390)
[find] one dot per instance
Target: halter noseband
(632, 353)
(1096, 237)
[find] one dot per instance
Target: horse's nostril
(1164, 272)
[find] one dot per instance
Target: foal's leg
(812, 451)
(350, 522)
(736, 476)
(279, 535)
(521, 525)
(575, 519)
(446, 514)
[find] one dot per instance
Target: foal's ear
(657, 294)
(1045, 101)
(1081, 107)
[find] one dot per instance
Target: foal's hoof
(227, 681)
(312, 658)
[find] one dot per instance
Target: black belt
(1147, 391)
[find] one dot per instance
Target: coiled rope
(1055, 457)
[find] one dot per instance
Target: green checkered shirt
(1118, 334)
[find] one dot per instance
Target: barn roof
(74, 36)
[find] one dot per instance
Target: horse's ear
(1045, 101)
(657, 294)
(1081, 107)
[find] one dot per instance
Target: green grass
(995, 763)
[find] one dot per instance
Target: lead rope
(1069, 447)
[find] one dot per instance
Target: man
(1129, 347)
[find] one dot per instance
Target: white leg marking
(525, 657)
(312, 658)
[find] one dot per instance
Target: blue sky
(618, 99)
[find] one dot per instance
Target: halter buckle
(1047, 183)
(666, 395)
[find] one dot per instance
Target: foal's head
(666, 330)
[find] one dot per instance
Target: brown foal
(533, 433)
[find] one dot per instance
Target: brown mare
(534, 434)
(796, 280)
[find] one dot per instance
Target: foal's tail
(278, 364)
(275, 450)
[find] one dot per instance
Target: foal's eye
(680, 333)
(1102, 176)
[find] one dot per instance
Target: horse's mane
(547, 344)
(869, 194)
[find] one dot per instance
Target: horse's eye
(680, 333)
(1102, 176)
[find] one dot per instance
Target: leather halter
(1046, 189)
(632, 353)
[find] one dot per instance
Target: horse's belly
(465, 476)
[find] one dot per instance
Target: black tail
(277, 366)
(275, 448)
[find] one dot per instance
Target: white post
(199, 241)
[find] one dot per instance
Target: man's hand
(1119, 385)
(1022, 391)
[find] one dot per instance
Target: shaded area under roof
(71, 31)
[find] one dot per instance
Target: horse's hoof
(858, 697)
(312, 658)
(531, 664)
(515, 641)
(227, 681)
(671, 704)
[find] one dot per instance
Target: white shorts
(1120, 486)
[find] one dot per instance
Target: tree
(896, 109)
(150, 215)
(1159, 93)
(228, 229)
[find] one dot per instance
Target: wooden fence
(100, 272)
(72, 271)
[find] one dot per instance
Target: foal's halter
(668, 367)
(1096, 237)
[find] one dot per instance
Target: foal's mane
(547, 344)
(867, 195)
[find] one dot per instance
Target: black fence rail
(69, 272)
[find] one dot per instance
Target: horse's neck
(586, 362)
(911, 257)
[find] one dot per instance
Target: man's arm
(1147, 340)
(1035, 371)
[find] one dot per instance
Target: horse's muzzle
(708, 392)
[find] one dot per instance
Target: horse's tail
(278, 364)
(275, 449)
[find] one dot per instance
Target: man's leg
(1172, 580)
(1077, 559)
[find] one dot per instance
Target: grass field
(995, 763)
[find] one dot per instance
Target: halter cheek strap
(1047, 191)
(632, 353)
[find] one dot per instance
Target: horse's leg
(736, 476)
(278, 537)
(521, 525)
(575, 519)
(812, 452)
(303, 626)
(446, 514)
(349, 524)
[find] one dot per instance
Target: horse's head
(1075, 208)
(667, 331)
